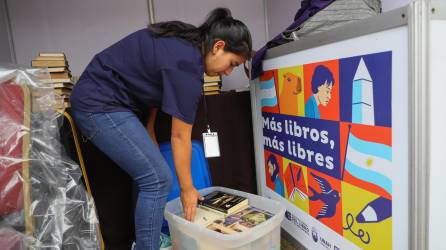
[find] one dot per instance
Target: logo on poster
(288, 215)
(314, 234)
(317, 238)
(325, 243)
(297, 222)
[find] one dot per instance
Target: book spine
(213, 209)
(36, 63)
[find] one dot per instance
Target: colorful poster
(327, 136)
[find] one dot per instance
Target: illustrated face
(324, 93)
(220, 62)
(294, 81)
(270, 168)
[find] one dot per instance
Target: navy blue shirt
(142, 71)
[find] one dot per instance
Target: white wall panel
(5, 48)
(79, 28)
(280, 15)
(251, 12)
(393, 4)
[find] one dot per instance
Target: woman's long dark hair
(219, 25)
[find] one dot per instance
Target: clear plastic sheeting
(43, 202)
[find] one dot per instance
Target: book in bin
(205, 217)
(222, 202)
(241, 221)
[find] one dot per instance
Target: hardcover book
(61, 75)
(212, 92)
(50, 58)
(211, 88)
(50, 63)
(57, 80)
(57, 69)
(211, 84)
(212, 78)
(52, 54)
(223, 202)
(62, 85)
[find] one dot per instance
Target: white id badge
(211, 147)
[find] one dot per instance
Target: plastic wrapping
(43, 203)
(335, 15)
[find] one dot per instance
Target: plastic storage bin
(188, 236)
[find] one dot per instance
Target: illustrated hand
(189, 199)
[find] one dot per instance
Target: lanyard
(210, 139)
(206, 114)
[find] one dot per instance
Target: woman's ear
(220, 44)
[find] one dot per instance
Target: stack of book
(60, 73)
(211, 85)
(228, 213)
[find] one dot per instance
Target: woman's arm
(150, 127)
(182, 148)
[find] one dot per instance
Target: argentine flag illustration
(268, 96)
(369, 161)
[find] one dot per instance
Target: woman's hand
(182, 150)
(189, 198)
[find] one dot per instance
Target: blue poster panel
(327, 136)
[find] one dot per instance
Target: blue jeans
(124, 139)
